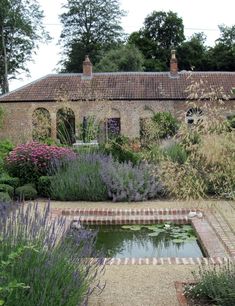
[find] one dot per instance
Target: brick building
(128, 97)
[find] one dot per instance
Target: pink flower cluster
(37, 156)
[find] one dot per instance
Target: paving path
(149, 285)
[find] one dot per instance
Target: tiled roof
(119, 86)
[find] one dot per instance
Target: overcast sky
(198, 16)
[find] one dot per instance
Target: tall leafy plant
(20, 31)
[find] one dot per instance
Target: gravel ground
(134, 285)
(141, 285)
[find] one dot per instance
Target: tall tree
(124, 58)
(89, 27)
(222, 56)
(192, 54)
(20, 31)
(161, 32)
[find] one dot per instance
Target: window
(194, 115)
(113, 127)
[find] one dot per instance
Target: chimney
(173, 63)
(87, 67)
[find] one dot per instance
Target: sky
(198, 16)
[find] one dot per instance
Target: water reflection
(117, 242)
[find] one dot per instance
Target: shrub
(128, 182)
(7, 188)
(176, 153)
(165, 124)
(80, 180)
(12, 181)
(41, 263)
(6, 146)
(26, 192)
(215, 284)
(32, 160)
(152, 154)
(4, 197)
(162, 125)
(44, 186)
(121, 148)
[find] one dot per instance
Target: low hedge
(12, 181)
(26, 192)
(44, 186)
(7, 188)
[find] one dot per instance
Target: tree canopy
(124, 58)
(89, 27)
(191, 53)
(162, 31)
(20, 31)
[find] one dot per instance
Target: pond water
(159, 240)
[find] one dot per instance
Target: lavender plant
(128, 182)
(42, 263)
(214, 284)
(80, 180)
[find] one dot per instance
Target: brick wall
(18, 116)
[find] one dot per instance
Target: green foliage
(215, 284)
(162, 31)
(124, 58)
(7, 188)
(20, 31)
(10, 285)
(221, 56)
(4, 197)
(41, 124)
(26, 192)
(91, 130)
(161, 125)
(120, 148)
(231, 122)
(6, 146)
(192, 54)
(65, 126)
(165, 124)
(41, 262)
(178, 233)
(153, 153)
(12, 181)
(176, 153)
(79, 180)
(44, 186)
(89, 27)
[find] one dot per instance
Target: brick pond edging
(213, 233)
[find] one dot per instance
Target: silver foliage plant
(128, 182)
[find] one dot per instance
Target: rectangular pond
(142, 241)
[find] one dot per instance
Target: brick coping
(214, 242)
(168, 261)
(179, 287)
(122, 212)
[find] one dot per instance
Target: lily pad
(154, 234)
(191, 238)
(153, 227)
(132, 227)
